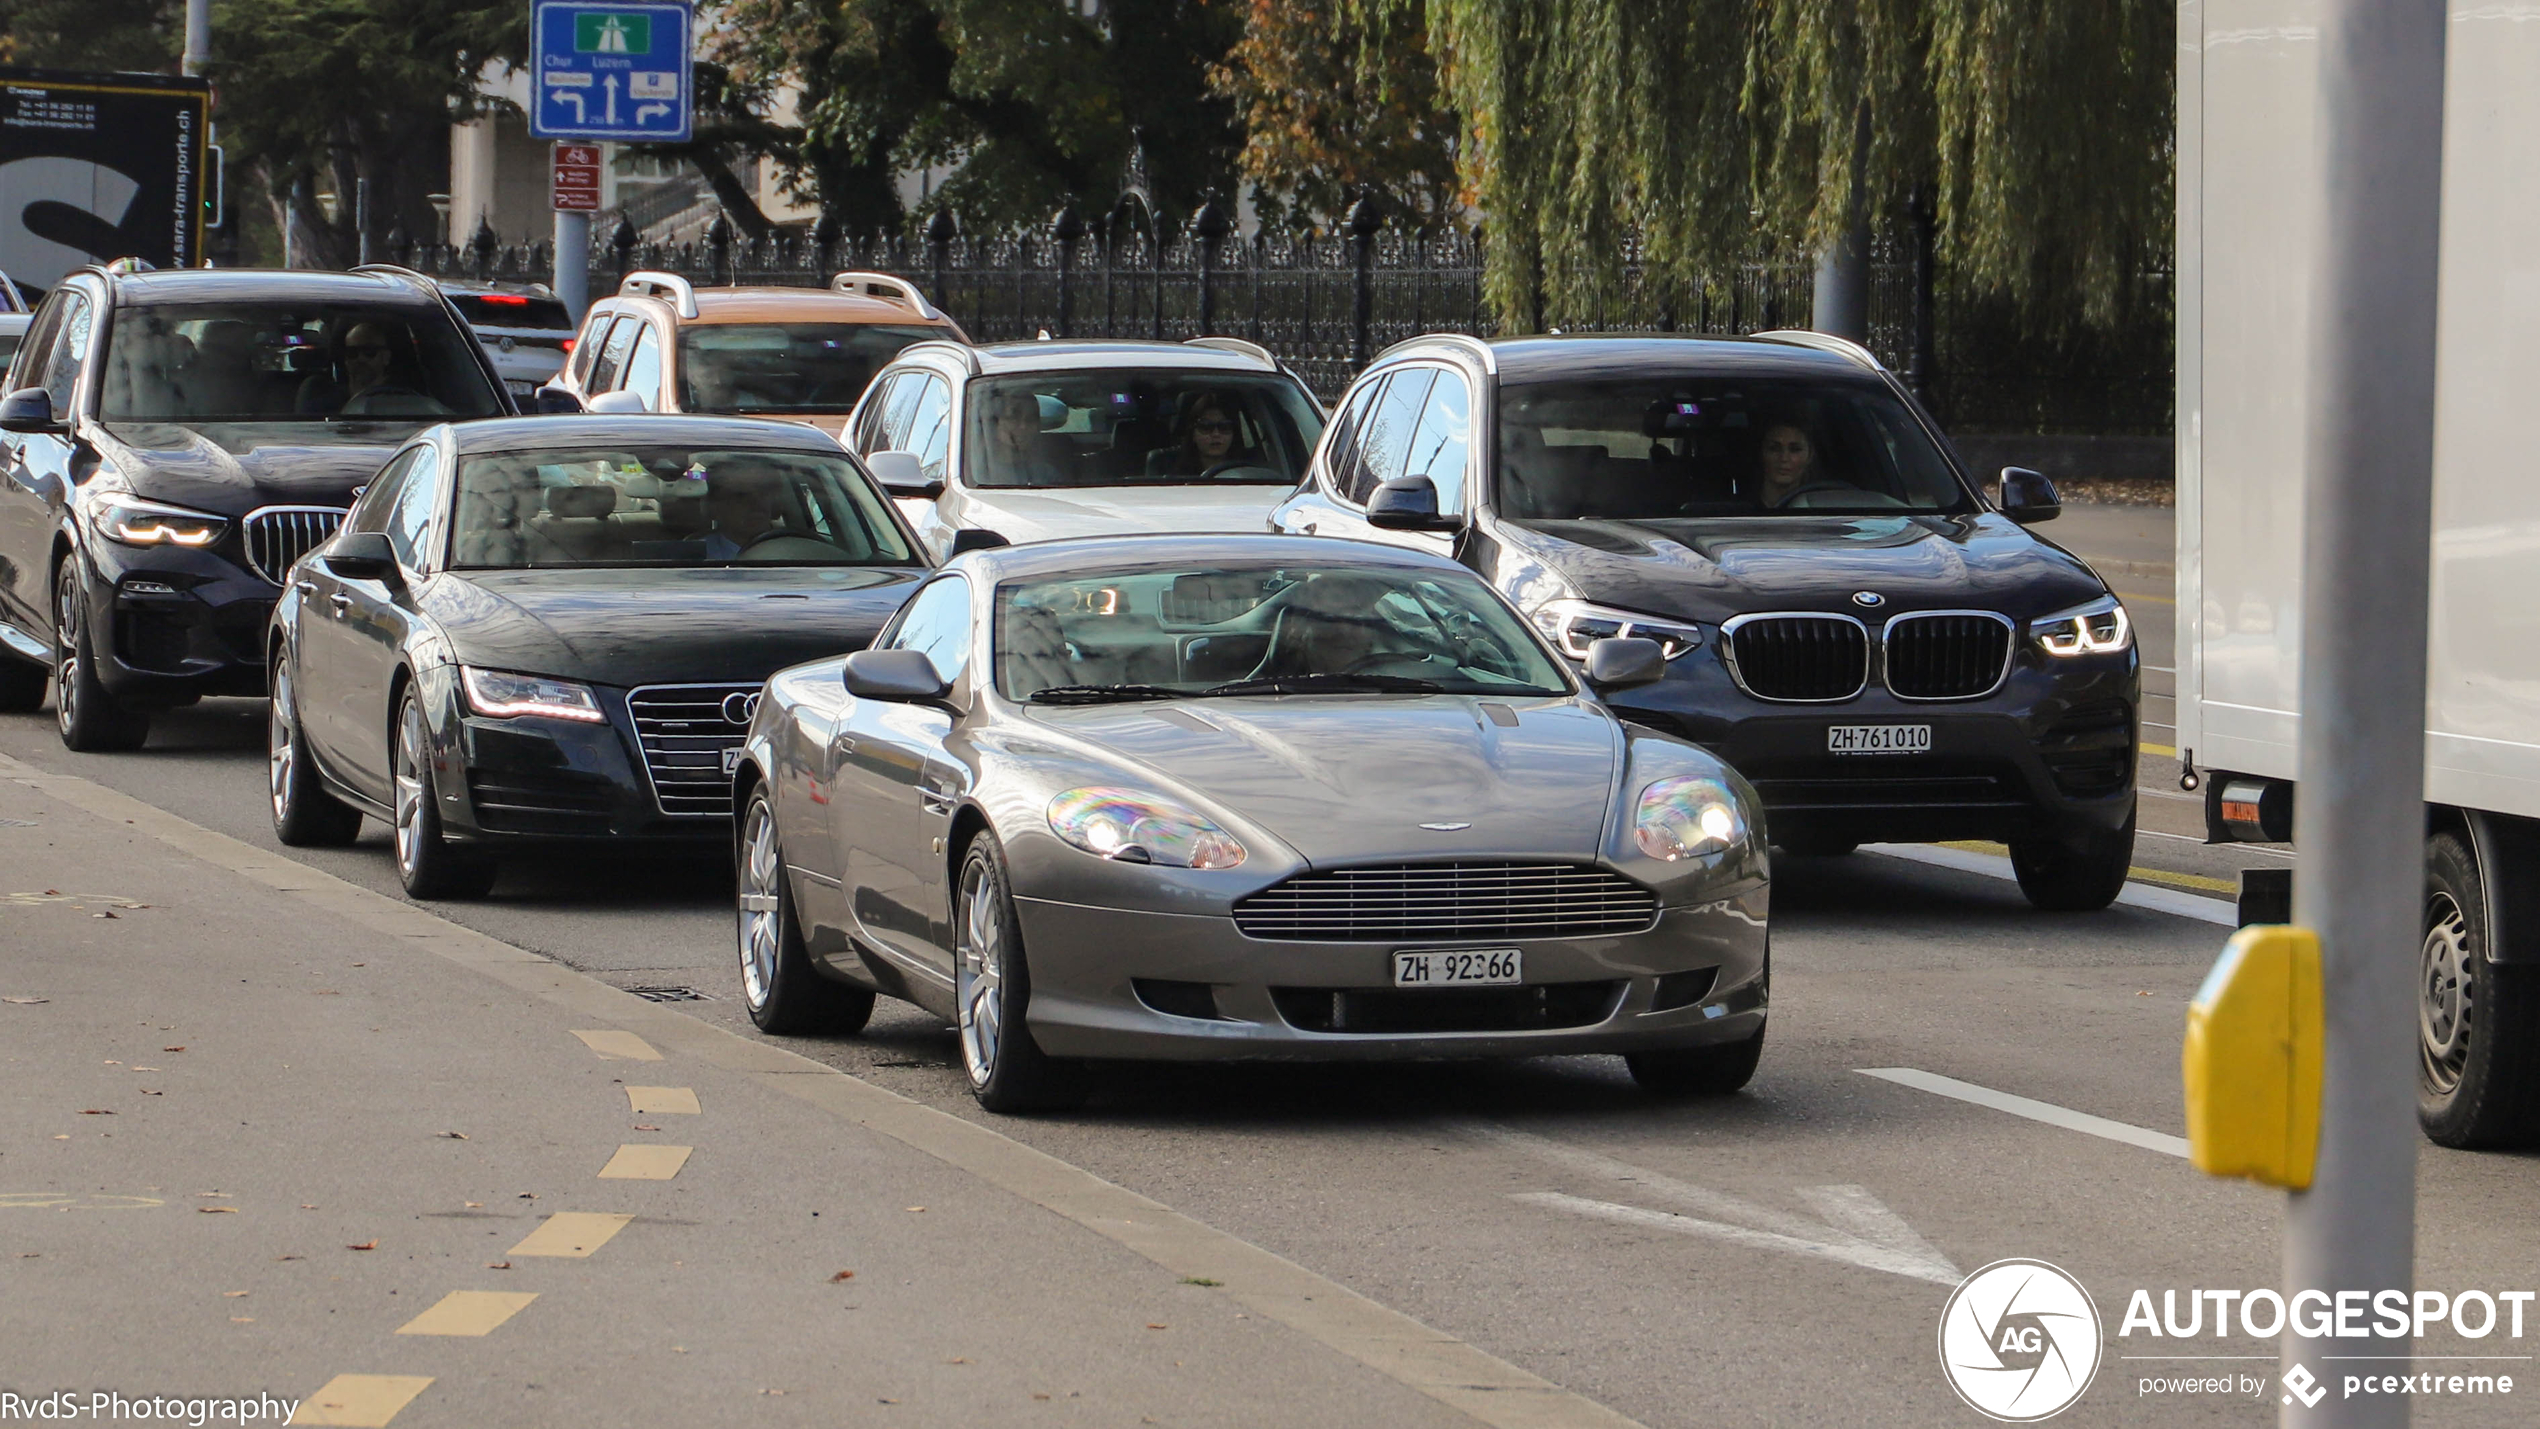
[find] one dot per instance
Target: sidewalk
(267, 1137)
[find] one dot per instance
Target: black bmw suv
(1848, 620)
(172, 442)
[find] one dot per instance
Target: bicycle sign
(606, 70)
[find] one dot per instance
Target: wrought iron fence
(1327, 303)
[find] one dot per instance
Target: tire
(2080, 873)
(429, 865)
(304, 814)
(2478, 1059)
(1698, 1071)
(22, 686)
(90, 720)
(785, 993)
(992, 992)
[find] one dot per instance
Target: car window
(412, 514)
(901, 410)
(752, 368)
(283, 361)
(613, 354)
(1137, 426)
(643, 367)
(1439, 444)
(1342, 466)
(1385, 446)
(379, 499)
(70, 344)
(27, 368)
(930, 426)
(586, 347)
(937, 621)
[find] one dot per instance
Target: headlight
(507, 696)
(136, 522)
(1128, 826)
(1687, 817)
(1575, 624)
(2099, 628)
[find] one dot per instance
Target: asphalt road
(1542, 1228)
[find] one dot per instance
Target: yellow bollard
(2253, 1057)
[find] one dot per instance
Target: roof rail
(1825, 342)
(969, 355)
(669, 287)
(1472, 347)
(888, 288)
(131, 264)
(398, 274)
(1235, 345)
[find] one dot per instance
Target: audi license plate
(1878, 739)
(1458, 967)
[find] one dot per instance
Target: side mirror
(1620, 662)
(29, 409)
(902, 675)
(617, 403)
(974, 539)
(364, 556)
(902, 475)
(554, 402)
(2028, 497)
(1408, 503)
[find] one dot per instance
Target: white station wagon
(1034, 441)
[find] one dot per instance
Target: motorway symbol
(610, 69)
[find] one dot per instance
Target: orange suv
(802, 354)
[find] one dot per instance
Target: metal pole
(361, 220)
(2360, 821)
(198, 37)
(573, 262)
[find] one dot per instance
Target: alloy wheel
(759, 906)
(278, 740)
(979, 971)
(2447, 988)
(409, 781)
(66, 638)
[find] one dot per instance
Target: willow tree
(2038, 131)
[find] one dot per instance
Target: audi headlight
(501, 695)
(136, 522)
(1688, 816)
(2099, 628)
(1576, 624)
(1130, 827)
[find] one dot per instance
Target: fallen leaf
(25, 1001)
(231, 1294)
(30, 1255)
(455, 1135)
(957, 1359)
(639, 1126)
(62, 1136)
(779, 1391)
(324, 992)
(145, 1091)
(211, 1193)
(475, 1205)
(498, 1265)
(886, 1401)
(1159, 1327)
(287, 1257)
(242, 1319)
(916, 1208)
(842, 1275)
(679, 1349)
(529, 1195)
(365, 1245)
(111, 1062)
(306, 1206)
(171, 1049)
(145, 1069)
(109, 913)
(1040, 1396)
(218, 1210)
(96, 1111)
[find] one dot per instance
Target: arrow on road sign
(645, 113)
(566, 96)
(610, 84)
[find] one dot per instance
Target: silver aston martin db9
(1194, 797)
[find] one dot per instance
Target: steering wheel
(359, 403)
(1368, 665)
(1788, 502)
(1230, 464)
(775, 533)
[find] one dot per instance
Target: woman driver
(1208, 437)
(1789, 460)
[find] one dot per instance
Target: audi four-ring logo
(740, 707)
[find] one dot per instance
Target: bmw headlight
(1130, 827)
(136, 522)
(501, 695)
(1688, 816)
(2098, 628)
(1575, 624)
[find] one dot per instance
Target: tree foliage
(137, 35)
(1331, 109)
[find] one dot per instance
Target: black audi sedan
(1886, 654)
(551, 630)
(172, 441)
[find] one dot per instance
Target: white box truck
(2249, 173)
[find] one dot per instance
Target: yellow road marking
(571, 1234)
(645, 1163)
(2166, 751)
(662, 1101)
(367, 1401)
(467, 1312)
(619, 1046)
(2196, 881)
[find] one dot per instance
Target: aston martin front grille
(685, 730)
(1947, 655)
(1447, 901)
(280, 535)
(1807, 659)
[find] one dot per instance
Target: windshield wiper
(1100, 694)
(1320, 684)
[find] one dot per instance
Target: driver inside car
(741, 509)
(1788, 456)
(1209, 428)
(1330, 627)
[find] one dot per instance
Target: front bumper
(1698, 976)
(170, 625)
(540, 780)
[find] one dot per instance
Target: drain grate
(671, 994)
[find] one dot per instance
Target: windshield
(785, 367)
(1658, 447)
(1264, 629)
(669, 506)
(276, 362)
(1136, 428)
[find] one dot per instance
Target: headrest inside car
(581, 500)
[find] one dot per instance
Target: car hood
(1710, 570)
(234, 467)
(641, 627)
(1044, 514)
(1352, 778)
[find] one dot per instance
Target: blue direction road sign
(609, 71)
